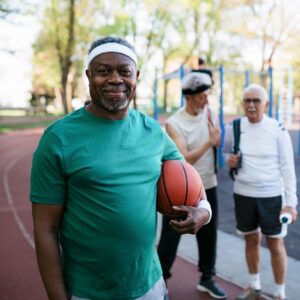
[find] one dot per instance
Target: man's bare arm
(46, 221)
(190, 156)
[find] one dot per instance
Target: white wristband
(205, 204)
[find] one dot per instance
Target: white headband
(111, 47)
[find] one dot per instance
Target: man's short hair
(257, 88)
(194, 83)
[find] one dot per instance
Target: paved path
(182, 285)
(231, 265)
(227, 219)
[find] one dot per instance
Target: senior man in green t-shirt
(93, 190)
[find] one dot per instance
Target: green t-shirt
(104, 172)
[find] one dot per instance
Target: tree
(64, 44)
(6, 9)
(166, 35)
(271, 26)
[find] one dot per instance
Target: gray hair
(195, 82)
(254, 87)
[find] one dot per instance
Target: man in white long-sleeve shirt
(264, 187)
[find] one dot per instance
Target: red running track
(19, 276)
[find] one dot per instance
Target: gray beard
(112, 106)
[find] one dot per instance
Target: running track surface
(19, 276)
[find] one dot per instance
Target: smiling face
(112, 82)
(254, 104)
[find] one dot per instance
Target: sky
(17, 33)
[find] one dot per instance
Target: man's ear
(137, 74)
(267, 103)
(88, 73)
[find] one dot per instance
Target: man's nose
(115, 77)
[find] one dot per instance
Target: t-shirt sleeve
(170, 151)
(47, 182)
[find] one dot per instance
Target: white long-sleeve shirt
(267, 160)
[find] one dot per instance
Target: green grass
(23, 112)
(14, 113)
(4, 128)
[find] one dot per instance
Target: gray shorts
(253, 214)
(157, 292)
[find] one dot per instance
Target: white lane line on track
(10, 201)
(7, 208)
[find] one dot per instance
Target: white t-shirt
(194, 129)
(267, 160)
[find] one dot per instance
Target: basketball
(178, 184)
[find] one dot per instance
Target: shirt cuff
(205, 204)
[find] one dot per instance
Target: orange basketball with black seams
(178, 184)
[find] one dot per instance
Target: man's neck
(99, 112)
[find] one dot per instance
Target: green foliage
(6, 9)
(165, 33)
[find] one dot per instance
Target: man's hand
(233, 160)
(291, 210)
(195, 219)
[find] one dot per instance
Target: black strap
(237, 135)
(236, 124)
(215, 150)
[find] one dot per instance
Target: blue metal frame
(181, 73)
(270, 72)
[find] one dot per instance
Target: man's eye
(126, 72)
(102, 71)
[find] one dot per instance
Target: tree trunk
(65, 61)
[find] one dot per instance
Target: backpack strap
(237, 135)
(236, 126)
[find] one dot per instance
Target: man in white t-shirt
(196, 134)
(266, 176)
